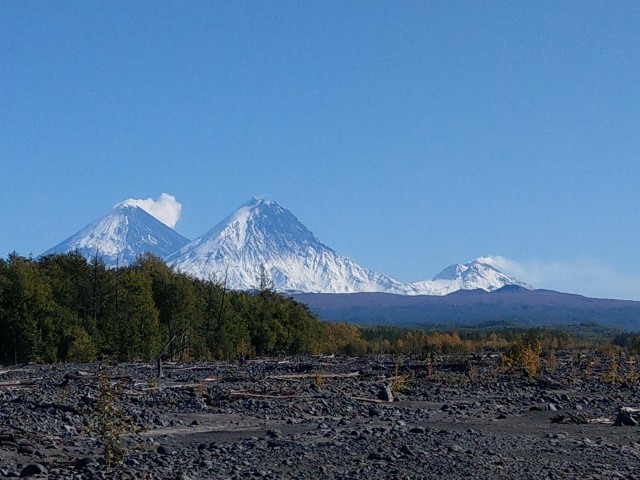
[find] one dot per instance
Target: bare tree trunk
(159, 372)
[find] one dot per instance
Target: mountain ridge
(512, 303)
(260, 236)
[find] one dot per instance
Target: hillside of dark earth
(472, 307)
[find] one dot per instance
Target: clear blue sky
(405, 135)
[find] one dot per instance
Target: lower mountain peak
(473, 275)
(121, 236)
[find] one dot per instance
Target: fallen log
(20, 383)
(630, 409)
(2, 372)
(162, 385)
(601, 421)
(236, 393)
(184, 369)
(295, 376)
(80, 375)
(56, 406)
(369, 400)
(178, 386)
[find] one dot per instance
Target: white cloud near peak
(584, 277)
(166, 208)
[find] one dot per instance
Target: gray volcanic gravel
(316, 418)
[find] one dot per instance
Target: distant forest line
(65, 308)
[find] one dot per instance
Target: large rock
(33, 469)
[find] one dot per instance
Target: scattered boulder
(374, 411)
(164, 450)
(456, 448)
(252, 425)
(625, 417)
(386, 394)
(33, 469)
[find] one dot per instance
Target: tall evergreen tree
(138, 330)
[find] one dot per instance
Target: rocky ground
(464, 417)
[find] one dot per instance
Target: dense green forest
(65, 308)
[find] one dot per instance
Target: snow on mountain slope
(119, 237)
(471, 276)
(263, 234)
(260, 235)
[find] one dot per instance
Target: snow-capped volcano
(263, 235)
(119, 237)
(260, 237)
(469, 276)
